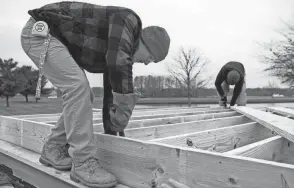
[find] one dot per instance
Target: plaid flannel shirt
(99, 38)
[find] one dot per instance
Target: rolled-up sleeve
(121, 45)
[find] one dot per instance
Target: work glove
(224, 100)
(107, 129)
(121, 111)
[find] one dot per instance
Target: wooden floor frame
(201, 147)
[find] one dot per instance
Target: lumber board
(54, 118)
(35, 115)
(281, 125)
(144, 165)
(275, 148)
(175, 114)
(287, 112)
(25, 133)
(170, 120)
(98, 121)
(137, 108)
(288, 152)
(220, 139)
(97, 116)
(153, 132)
(267, 149)
(31, 158)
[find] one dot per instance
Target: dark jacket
(100, 38)
(222, 75)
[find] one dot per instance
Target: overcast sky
(223, 30)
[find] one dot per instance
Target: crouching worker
(232, 73)
(71, 37)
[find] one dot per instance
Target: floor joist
(267, 149)
(275, 148)
(26, 165)
(287, 112)
(142, 116)
(52, 119)
(143, 165)
(97, 116)
(260, 159)
(281, 125)
(161, 131)
(221, 139)
(170, 120)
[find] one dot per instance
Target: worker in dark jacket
(232, 73)
(75, 37)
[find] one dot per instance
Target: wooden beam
(267, 149)
(145, 165)
(161, 131)
(24, 133)
(25, 165)
(275, 148)
(34, 115)
(97, 119)
(53, 118)
(288, 152)
(170, 120)
(138, 108)
(174, 114)
(220, 139)
(97, 116)
(287, 112)
(281, 125)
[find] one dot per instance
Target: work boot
(56, 156)
(92, 174)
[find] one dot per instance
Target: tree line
(22, 80)
(168, 86)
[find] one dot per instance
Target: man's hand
(224, 100)
(175, 184)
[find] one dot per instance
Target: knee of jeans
(79, 86)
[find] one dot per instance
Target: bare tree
(187, 69)
(279, 56)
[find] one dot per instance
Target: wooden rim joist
(200, 147)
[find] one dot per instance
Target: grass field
(18, 106)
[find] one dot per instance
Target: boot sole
(76, 179)
(49, 164)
